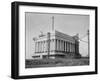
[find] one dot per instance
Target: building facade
(56, 44)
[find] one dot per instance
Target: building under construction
(56, 44)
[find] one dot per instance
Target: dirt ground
(55, 62)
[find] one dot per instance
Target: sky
(70, 24)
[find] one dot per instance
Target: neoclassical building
(56, 44)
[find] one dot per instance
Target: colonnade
(55, 45)
(64, 46)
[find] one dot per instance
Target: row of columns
(55, 45)
(64, 46)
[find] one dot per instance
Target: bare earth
(56, 62)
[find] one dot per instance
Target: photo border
(15, 39)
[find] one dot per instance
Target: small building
(56, 44)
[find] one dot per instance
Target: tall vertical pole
(88, 44)
(48, 44)
(48, 37)
(52, 23)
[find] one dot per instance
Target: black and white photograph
(50, 40)
(54, 40)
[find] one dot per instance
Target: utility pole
(48, 44)
(88, 44)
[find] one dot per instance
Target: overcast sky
(70, 24)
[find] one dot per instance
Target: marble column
(72, 47)
(51, 45)
(38, 46)
(65, 46)
(35, 47)
(62, 45)
(42, 47)
(58, 45)
(55, 44)
(68, 47)
(46, 47)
